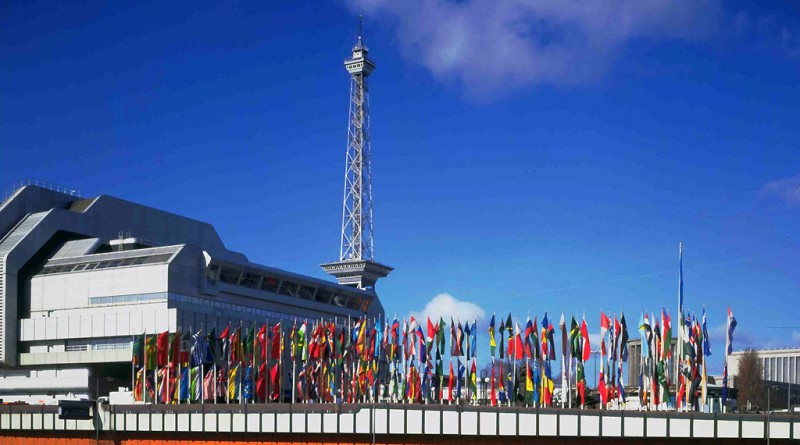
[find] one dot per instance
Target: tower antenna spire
(356, 266)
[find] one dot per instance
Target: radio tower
(356, 266)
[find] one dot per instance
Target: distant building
(635, 361)
(779, 365)
(781, 373)
(73, 291)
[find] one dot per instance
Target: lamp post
(769, 392)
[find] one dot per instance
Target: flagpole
(513, 397)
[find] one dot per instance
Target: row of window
(100, 344)
(93, 265)
(285, 287)
(120, 299)
(781, 369)
(196, 301)
(260, 313)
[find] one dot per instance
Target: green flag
(138, 350)
(575, 338)
(249, 342)
(150, 352)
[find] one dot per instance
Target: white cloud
(446, 306)
(787, 189)
(795, 339)
(490, 47)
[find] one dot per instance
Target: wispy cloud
(767, 31)
(787, 189)
(446, 306)
(487, 45)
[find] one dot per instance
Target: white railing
(43, 184)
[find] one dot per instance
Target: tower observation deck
(356, 265)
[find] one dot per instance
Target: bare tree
(750, 380)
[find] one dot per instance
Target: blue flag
(474, 339)
(706, 340)
(248, 384)
(461, 370)
(183, 391)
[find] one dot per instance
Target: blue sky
(527, 157)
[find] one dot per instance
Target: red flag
(605, 324)
(162, 345)
(518, 347)
(175, 350)
(276, 341)
(262, 341)
(581, 391)
(274, 378)
(450, 382)
(261, 382)
(226, 333)
(587, 347)
(493, 395)
(601, 388)
(431, 333)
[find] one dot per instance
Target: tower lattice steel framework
(356, 265)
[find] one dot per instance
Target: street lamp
(769, 391)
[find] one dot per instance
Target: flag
(276, 341)
(234, 387)
(474, 339)
(461, 370)
(249, 343)
(666, 337)
(731, 327)
(196, 383)
(431, 334)
(580, 381)
(623, 344)
(213, 347)
(137, 356)
(261, 382)
(535, 347)
(528, 383)
(518, 351)
(261, 344)
(468, 335)
(527, 338)
(247, 391)
(706, 341)
(605, 324)
(151, 359)
(302, 348)
(492, 342)
(586, 347)
(440, 335)
(575, 338)
(162, 346)
(473, 384)
(644, 329)
(183, 386)
(208, 385)
(502, 332)
(450, 383)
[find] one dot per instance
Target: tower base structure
(357, 273)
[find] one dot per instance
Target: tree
(750, 380)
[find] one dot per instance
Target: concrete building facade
(73, 290)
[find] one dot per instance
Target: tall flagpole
(679, 349)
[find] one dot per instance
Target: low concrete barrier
(393, 419)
